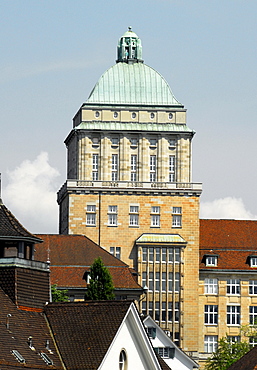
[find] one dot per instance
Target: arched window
(123, 360)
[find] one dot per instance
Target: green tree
(101, 286)
(59, 295)
(226, 354)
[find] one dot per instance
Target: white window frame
(176, 283)
(133, 215)
(233, 315)
(252, 315)
(211, 261)
(115, 251)
(164, 281)
(253, 287)
(112, 215)
(210, 343)
(210, 314)
(172, 162)
(153, 160)
(233, 287)
(133, 167)
(210, 286)
(253, 261)
(115, 167)
(155, 216)
(176, 217)
(91, 215)
(95, 167)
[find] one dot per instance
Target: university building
(129, 187)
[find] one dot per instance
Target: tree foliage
(101, 286)
(59, 295)
(226, 354)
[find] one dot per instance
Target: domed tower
(129, 186)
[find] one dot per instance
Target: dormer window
(133, 141)
(153, 142)
(253, 261)
(115, 141)
(172, 144)
(211, 260)
(151, 331)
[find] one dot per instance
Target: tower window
(115, 115)
(114, 167)
(97, 114)
(95, 158)
(171, 168)
(152, 115)
(152, 168)
(133, 115)
(170, 115)
(133, 173)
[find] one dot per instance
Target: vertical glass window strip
(233, 315)
(210, 343)
(117, 253)
(151, 254)
(164, 254)
(95, 159)
(152, 168)
(176, 216)
(114, 167)
(133, 168)
(163, 311)
(157, 254)
(177, 281)
(150, 309)
(144, 279)
(144, 252)
(171, 168)
(253, 287)
(210, 286)
(150, 281)
(233, 286)
(253, 315)
(157, 311)
(157, 281)
(91, 215)
(112, 215)
(164, 281)
(211, 314)
(144, 308)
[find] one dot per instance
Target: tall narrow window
(164, 311)
(95, 176)
(253, 287)
(176, 283)
(91, 215)
(152, 168)
(150, 281)
(114, 167)
(211, 314)
(133, 173)
(176, 216)
(157, 281)
(253, 315)
(112, 216)
(133, 215)
(233, 315)
(164, 281)
(155, 216)
(171, 168)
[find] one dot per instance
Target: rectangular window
(165, 352)
(95, 158)
(144, 279)
(157, 311)
(233, 315)
(151, 254)
(164, 281)
(155, 217)
(144, 254)
(175, 284)
(210, 314)
(150, 309)
(150, 281)
(151, 331)
(253, 287)
(144, 312)
(171, 168)
(175, 313)
(253, 315)
(211, 260)
(210, 343)
(115, 167)
(91, 215)
(253, 341)
(157, 281)
(233, 286)
(133, 168)
(133, 216)
(157, 254)
(115, 251)
(163, 311)
(253, 261)
(164, 254)
(210, 286)
(152, 168)
(112, 215)
(174, 255)
(176, 216)
(233, 339)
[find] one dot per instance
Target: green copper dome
(130, 81)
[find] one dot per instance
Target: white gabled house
(174, 357)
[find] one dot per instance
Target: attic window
(165, 352)
(211, 260)
(151, 331)
(253, 261)
(123, 360)
(18, 356)
(47, 360)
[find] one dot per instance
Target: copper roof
(11, 228)
(233, 241)
(72, 255)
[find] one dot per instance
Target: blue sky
(52, 54)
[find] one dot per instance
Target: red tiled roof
(72, 255)
(22, 325)
(84, 330)
(233, 241)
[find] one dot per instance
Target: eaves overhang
(21, 238)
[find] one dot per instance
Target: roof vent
(31, 344)
(47, 346)
(47, 360)
(7, 321)
(18, 356)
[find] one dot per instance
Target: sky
(54, 51)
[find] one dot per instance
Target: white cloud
(31, 195)
(232, 208)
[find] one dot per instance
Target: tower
(129, 186)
